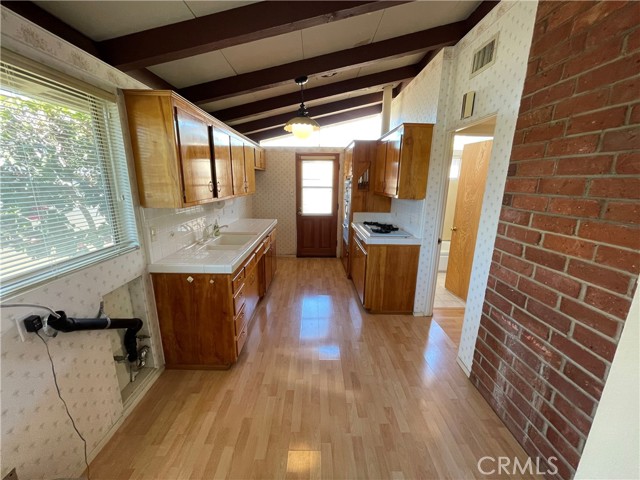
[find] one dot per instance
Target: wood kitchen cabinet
(403, 161)
(260, 160)
(384, 275)
(183, 156)
(249, 168)
(204, 319)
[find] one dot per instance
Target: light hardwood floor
(321, 390)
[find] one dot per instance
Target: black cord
(55, 381)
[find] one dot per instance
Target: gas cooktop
(379, 229)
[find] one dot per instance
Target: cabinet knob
(212, 282)
(190, 279)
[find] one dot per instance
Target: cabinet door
(222, 163)
(249, 168)
(381, 156)
(260, 161)
(268, 268)
(392, 166)
(237, 166)
(195, 157)
(359, 268)
(345, 257)
(274, 253)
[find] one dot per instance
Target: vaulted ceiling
(237, 59)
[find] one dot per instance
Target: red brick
(570, 391)
(617, 140)
(498, 302)
(597, 121)
(524, 235)
(622, 68)
(550, 223)
(542, 133)
(536, 168)
(623, 212)
(567, 11)
(625, 92)
(573, 145)
(612, 187)
(622, 235)
(523, 353)
(503, 274)
(502, 228)
(555, 419)
(562, 186)
(589, 317)
(538, 443)
(527, 152)
(496, 332)
(617, 258)
(577, 418)
(581, 103)
(534, 117)
(633, 41)
(594, 342)
(527, 185)
(575, 207)
(541, 349)
(549, 316)
(569, 245)
(505, 322)
(511, 294)
(530, 202)
(596, 165)
(579, 354)
(603, 277)
(607, 302)
(530, 323)
(552, 94)
(517, 265)
(508, 246)
(556, 281)
(585, 381)
(544, 10)
(634, 117)
(537, 291)
(605, 52)
(549, 41)
(547, 259)
(563, 447)
(515, 216)
(610, 23)
(628, 163)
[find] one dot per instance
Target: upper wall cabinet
(261, 162)
(402, 162)
(183, 156)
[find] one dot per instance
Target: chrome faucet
(216, 229)
(208, 232)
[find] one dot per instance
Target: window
(317, 187)
(484, 57)
(65, 200)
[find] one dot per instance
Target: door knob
(454, 229)
(299, 211)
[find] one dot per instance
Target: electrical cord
(55, 381)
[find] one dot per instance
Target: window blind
(65, 200)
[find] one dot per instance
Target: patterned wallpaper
(276, 192)
(498, 90)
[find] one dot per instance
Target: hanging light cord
(66, 407)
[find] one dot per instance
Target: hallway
(322, 390)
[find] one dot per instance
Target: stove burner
(377, 227)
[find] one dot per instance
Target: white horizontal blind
(65, 199)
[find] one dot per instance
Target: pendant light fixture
(302, 125)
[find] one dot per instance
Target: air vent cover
(484, 57)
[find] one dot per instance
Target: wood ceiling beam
(316, 112)
(396, 47)
(480, 12)
(317, 93)
(323, 121)
(228, 28)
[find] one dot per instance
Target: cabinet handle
(219, 187)
(211, 186)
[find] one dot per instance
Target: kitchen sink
(229, 241)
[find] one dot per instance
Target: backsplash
(405, 214)
(174, 228)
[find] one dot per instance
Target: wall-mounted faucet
(216, 229)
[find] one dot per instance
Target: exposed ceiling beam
(424, 40)
(317, 93)
(316, 112)
(479, 13)
(225, 29)
(44, 19)
(323, 121)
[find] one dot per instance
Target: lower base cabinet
(204, 319)
(384, 276)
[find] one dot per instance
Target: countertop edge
(369, 240)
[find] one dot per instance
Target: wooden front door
(473, 176)
(317, 204)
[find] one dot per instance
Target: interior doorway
(467, 177)
(317, 204)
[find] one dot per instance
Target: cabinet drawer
(238, 280)
(242, 338)
(240, 321)
(259, 252)
(238, 301)
(250, 264)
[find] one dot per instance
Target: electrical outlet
(22, 330)
(153, 234)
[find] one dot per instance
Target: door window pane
(317, 187)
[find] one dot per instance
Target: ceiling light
(302, 125)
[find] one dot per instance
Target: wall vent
(484, 57)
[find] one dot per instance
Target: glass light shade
(302, 126)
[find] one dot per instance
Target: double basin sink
(227, 241)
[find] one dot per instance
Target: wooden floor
(322, 390)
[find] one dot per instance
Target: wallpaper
(276, 192)
(498, 90)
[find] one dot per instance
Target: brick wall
(567, 253)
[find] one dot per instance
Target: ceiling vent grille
(484, 57)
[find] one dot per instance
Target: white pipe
(387, 96)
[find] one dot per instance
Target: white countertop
(200, 260)
(369, 239)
